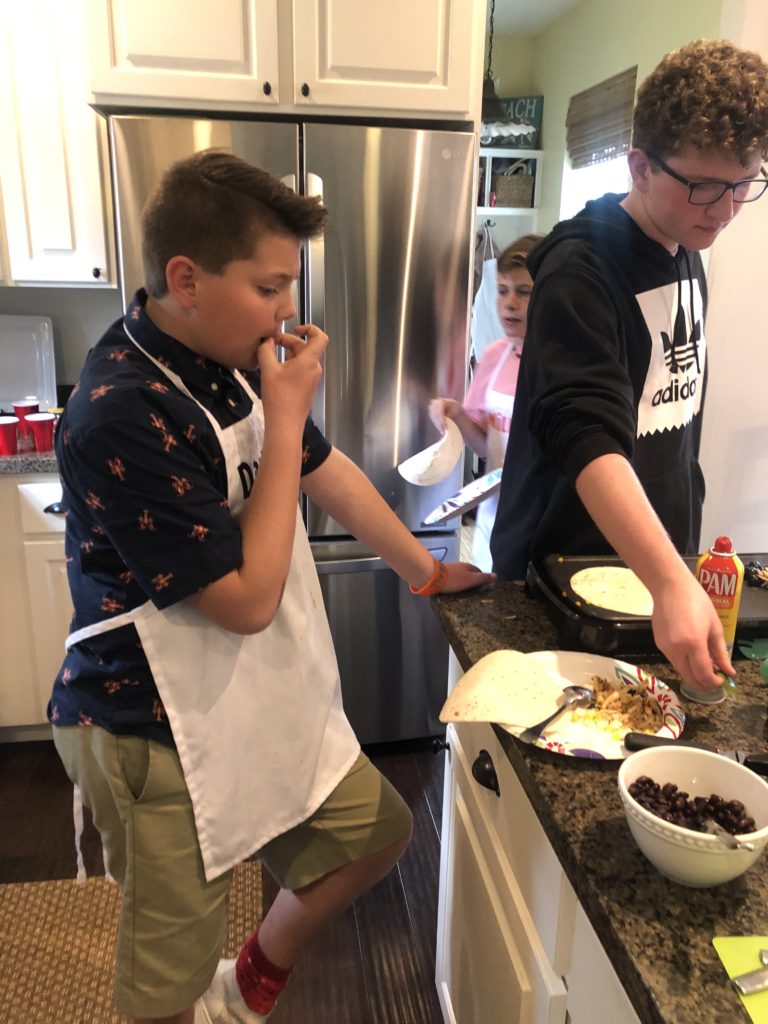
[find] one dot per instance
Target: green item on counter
(757, 650)
(740, 954)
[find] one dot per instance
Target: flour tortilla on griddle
(614, 588)
(504, 687)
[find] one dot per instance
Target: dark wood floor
(376, 963)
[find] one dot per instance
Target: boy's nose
(725, 207)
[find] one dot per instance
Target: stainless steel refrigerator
(389, 283)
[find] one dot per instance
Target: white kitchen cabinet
(508, 220)
(34, 603)
(484, 905)
(51, 145)
(504, 898)
(399, 55)
(50, 603)
(290, 56)
(188, 52)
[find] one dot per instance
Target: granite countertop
(657, 934)
(29, 463)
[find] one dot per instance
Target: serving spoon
(575, 697)
(727, 838)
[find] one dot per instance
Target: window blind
(599, 120)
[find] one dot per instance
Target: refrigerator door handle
(315, 291)
(363, 563)
(288, 325)
(334, 565)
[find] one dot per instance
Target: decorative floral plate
(580, 732)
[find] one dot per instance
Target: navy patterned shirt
(145, 491)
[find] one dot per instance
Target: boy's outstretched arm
(340, 488)
(685, 625)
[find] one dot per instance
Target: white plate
(567, 735)
(27, 365)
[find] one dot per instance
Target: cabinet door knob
(484, 772)
(96, 272)
(304, 89)
(267, 88)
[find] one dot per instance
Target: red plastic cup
(22, 409)
(41, 424)
(9, 426)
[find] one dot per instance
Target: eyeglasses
(703, 193)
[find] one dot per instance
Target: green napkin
(739, 955)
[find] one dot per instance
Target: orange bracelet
(435, 583)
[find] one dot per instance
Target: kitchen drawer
(522, 844)
(529, 901)
(35, 502)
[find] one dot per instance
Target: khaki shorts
(173, 922)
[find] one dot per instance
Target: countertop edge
(31, 463)
(659, 946)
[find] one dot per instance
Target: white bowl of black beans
(668, 793)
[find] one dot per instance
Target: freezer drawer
(392, 653)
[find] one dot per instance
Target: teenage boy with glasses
(603, 452)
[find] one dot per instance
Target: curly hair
(214, 208)
(710, 95)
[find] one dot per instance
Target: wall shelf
(508, 222)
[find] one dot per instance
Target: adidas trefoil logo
(681, 352)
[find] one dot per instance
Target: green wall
(512, 61)
(587, 44)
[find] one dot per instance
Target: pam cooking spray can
(721, 573)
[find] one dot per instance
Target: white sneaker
(222, 1003)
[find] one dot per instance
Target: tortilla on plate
(505, 687)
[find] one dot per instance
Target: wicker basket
(515, 186)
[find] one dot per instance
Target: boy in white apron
(198, 708)
(486, 413)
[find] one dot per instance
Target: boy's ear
(181, 278)
(639, 168)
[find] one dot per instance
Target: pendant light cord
(489, 73)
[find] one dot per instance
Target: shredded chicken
(622, 708)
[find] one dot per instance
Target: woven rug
(57, 943)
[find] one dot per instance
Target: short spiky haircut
(516, 255)
(214, 208)
(710, 95)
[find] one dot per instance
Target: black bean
(673, 805)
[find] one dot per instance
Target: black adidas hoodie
(614, 362)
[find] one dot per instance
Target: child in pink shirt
(486, 413)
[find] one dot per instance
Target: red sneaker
(223, 1002)
(258, 990)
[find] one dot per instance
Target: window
(598, 138)
(599, 121)
(591, 182)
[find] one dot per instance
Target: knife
(758, 763)
(753, 981)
